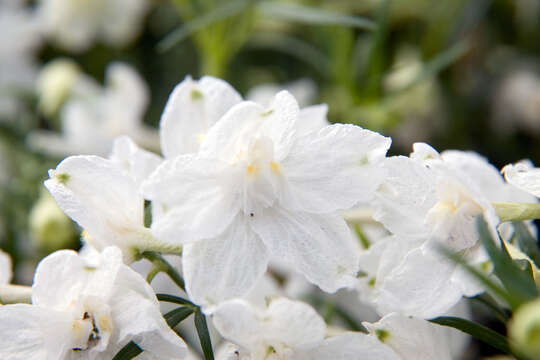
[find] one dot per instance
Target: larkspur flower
(256, 189)
(524, 176)
(102, 196)
(292, 330)
(86, 310)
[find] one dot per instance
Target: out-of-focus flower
(303, 90)
(87, 309)
(262, 189)
(50, 228)
(6, 272)
(55, 83)
(20, 31)
(75, 25)
(94, 116)
(102, 196)
(524, 176)
(524, 328)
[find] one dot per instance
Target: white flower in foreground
(5, 268)
(292, 330)
(20, 31)
(75, 25)
(84, 310)
(524, 176)
(93, 116)
(102, 196)
(258, 189)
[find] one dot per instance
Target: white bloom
(102, 196)
(303, 90)
(93, 115)
(5, 268)
(257, 188)
(20, 36)
(55, 82)
(75, 24)
(86, 311)
(292, 330)
(524, 176)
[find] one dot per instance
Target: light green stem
(163, 265)
(13, 294)
(517, 211)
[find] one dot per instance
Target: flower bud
(54, 84)
(524, 329)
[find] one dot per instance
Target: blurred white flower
(86, 310)
(6, 272)
(93, 115)
(20, 31)
(55, 83)
(102, 196)
(257, 188)
(303, 90)
(75, 25)
(524, 176)
(288, 329)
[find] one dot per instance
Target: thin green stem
(164, 266)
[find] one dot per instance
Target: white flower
(75, 25)
(257, 188)
(102, 196)
(524, 176)
(20, 37)
(292, 330)
(303, 90)
(55, 83)
(93, 115)
(86, 311)
(5, 268)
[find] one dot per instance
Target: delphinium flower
(524, 176)
(76, 25)
(102, 196)
(86, 310)
(256, 189)
(288, 329)
(429, 201)
(93, 116)
(20, 31)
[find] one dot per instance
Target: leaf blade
(204, 335)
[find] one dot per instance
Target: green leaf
(477, 331)
(312, 16)
(518, 282)
(162, 264)
(204, 335)
(227, 10)
(527, 242)
(176, 316)
(128, 352)
(489, 302)
(176, 300)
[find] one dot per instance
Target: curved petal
(224, 267)
(192, 109)
(523, 176)
(196, 195)
(334, 168)
(138, 163)
(320, 247)
(312, 118)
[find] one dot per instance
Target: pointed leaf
(176, 300)
(128, 352)
(204, 335)
(527, 242)
(176, 316)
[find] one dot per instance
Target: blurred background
(453, 73)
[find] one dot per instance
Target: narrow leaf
(518, 282)
(204, 335)
(489, 302)
(227, 10)
(128, 352)
(527, 242)
(176, 316)
(313, 16)
(176, 300)
(477, 331)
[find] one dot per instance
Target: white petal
(334, 168)
(350, 346)
(420, 286)
(412, 338)
(405, 197)
(136, 314)
(101, 198)
(226, 266)
(312, 118)
(138, 163)
(247, 121)
(320, 247)
(6, 272)
(192, 109)
(196, 195)
(524, 177)
(32, 332)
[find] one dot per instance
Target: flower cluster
(245, 191)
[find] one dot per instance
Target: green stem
(517, 211)
(162, 264)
